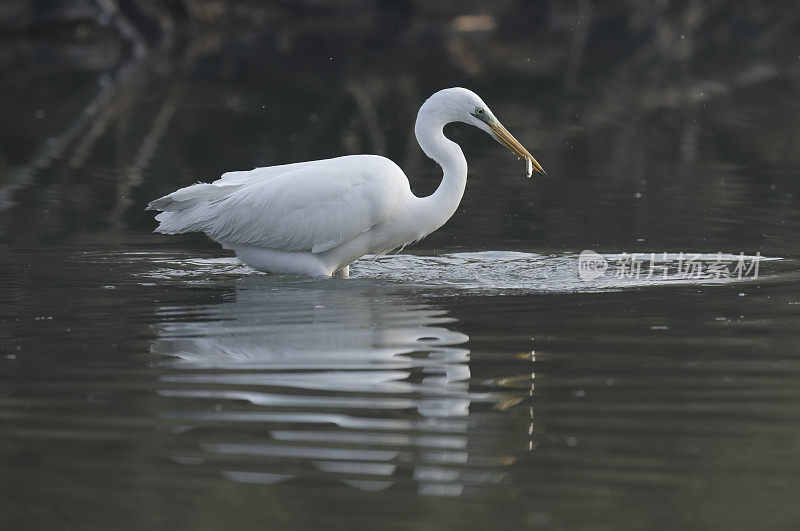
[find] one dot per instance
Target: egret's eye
(479, 111)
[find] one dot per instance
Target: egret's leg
(344, 272)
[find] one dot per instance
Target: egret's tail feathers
(176, 223)
(187, 209)
(187, 197)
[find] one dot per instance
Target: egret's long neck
(438, 207)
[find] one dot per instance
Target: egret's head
(463, 105)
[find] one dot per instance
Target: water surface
(473, 381)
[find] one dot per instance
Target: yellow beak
(502, 135)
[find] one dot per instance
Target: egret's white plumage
(317, 217)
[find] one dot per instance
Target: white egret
(316, 218)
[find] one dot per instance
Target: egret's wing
(307, 206)
(200, 193)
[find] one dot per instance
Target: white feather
(311, 206)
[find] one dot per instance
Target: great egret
(316, 218)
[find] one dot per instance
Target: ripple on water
(346, 380)
(487, 271)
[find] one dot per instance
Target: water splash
(491, 272)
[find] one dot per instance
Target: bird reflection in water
(345, 380)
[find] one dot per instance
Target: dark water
(151, 382)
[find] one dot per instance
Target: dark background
(664, 126)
